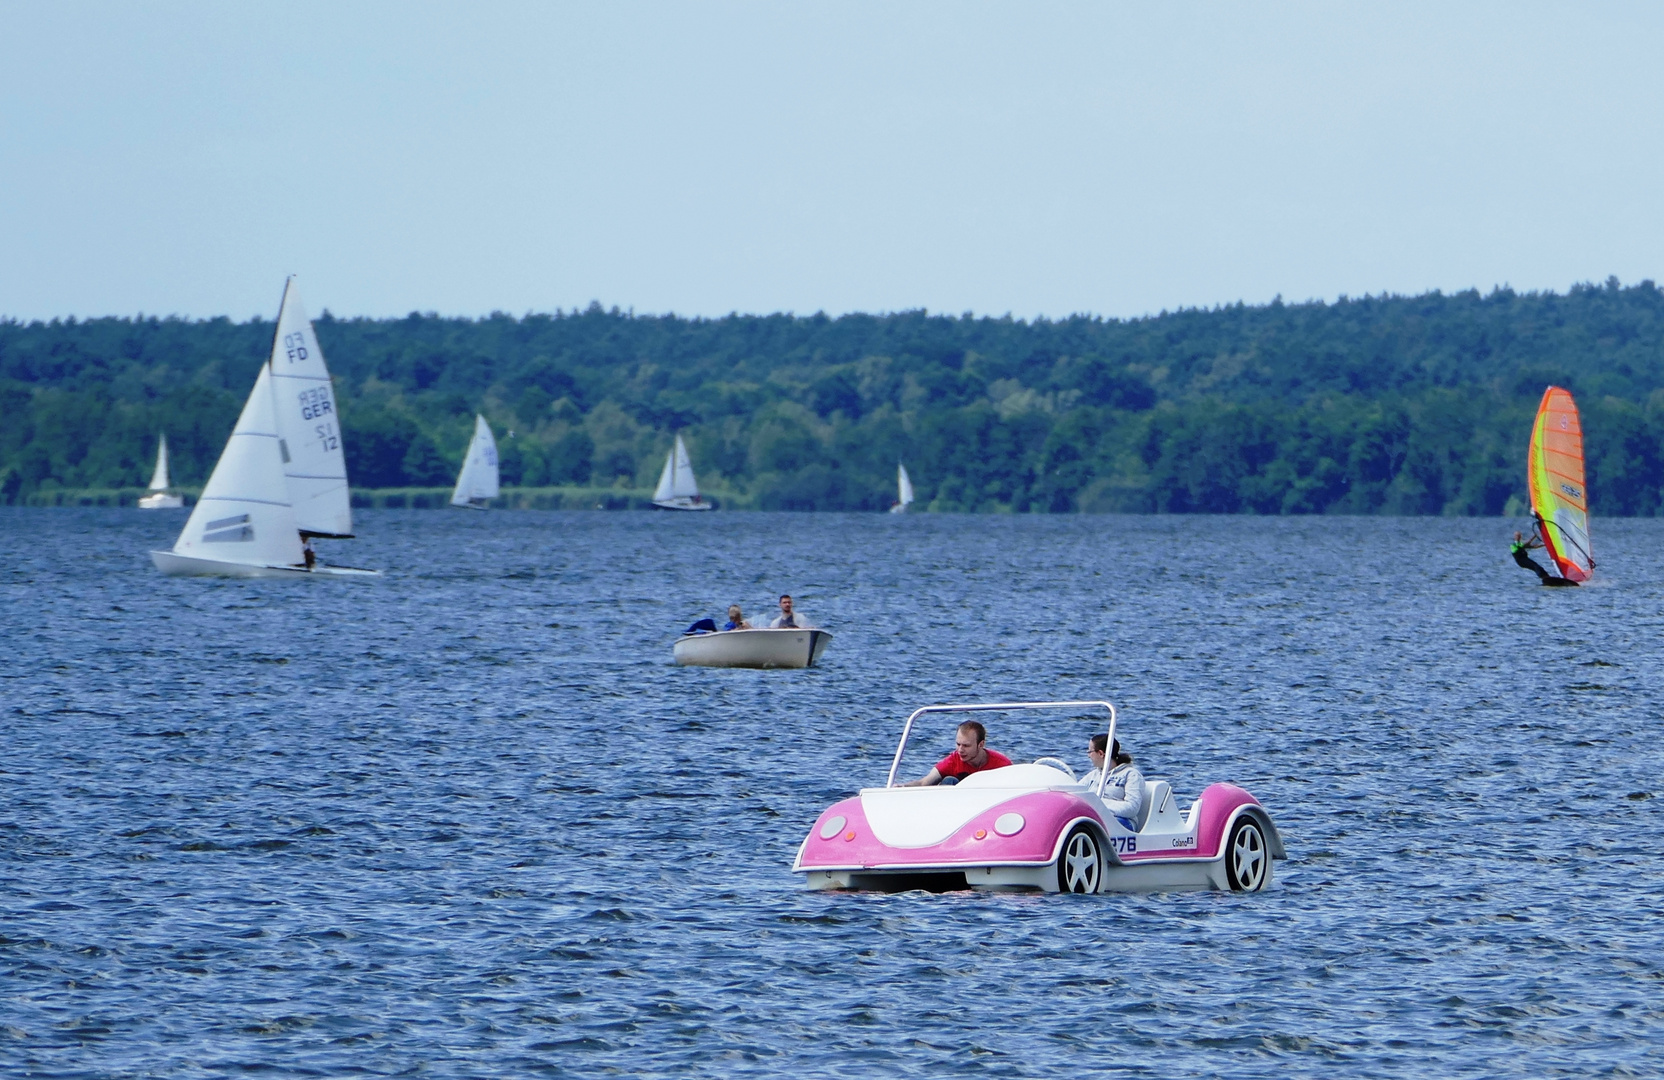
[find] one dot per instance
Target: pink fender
(1220, 806)
(1046, 814)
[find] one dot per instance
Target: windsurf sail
(1559, 496)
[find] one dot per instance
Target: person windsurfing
(1521, 545)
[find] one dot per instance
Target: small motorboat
(763, 648)
(1034, 826)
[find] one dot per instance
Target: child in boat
(736, 621)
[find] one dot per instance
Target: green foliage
(1405, 405)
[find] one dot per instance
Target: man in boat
(307, 552)
(969, 756)
(786, 620)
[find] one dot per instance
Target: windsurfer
(1519, 548)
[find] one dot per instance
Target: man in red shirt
(969, 756)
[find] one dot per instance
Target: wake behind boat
(795, 647)
(282, 478)
(160, 498)
(677, 488)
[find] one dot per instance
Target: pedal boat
(1035, 827)
(761, 648)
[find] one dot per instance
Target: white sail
(307, 425)
(159, 478)
(904, 485)
(478, 479)
(677, 488)
(667, 480)
(244, 515)
(683, 482)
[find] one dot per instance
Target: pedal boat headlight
(1009, 824)
(832, 826)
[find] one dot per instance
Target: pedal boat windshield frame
(1008, 706)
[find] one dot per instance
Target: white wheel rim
(1080, 864)
(1248, 857)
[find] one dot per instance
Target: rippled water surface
(468, 820)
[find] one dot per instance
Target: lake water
(468, 819)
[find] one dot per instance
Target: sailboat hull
(175, 565)
(683, 502)
(753, 648)
(161, 501)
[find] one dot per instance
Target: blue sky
(1037, 159)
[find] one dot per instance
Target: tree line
(1399, 405)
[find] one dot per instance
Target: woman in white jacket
(1124, 790)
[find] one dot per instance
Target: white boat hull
(176, 565)
(161, 501)
(683, 502)
(753, 648)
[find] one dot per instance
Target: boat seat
(1158, 798)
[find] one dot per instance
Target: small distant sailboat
(476, 484)
(904, 491)
(159, 498)
(282, 478)
(1559, 495)
(677, 489)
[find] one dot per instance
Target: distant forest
(1390, 405)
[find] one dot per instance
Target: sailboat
(1559, 496)
(282, 478)
(677, 489)
(476, 484)
(159, 498)
(904, 489)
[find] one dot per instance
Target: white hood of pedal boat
(906, 817)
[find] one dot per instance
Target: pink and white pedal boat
(1034, 826)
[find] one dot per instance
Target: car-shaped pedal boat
(1035, 826)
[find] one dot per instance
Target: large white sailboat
(677, 488)
(159, 497)
(281, 479)
(904, 491)
(476, 484)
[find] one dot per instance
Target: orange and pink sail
(1559, 496)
